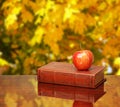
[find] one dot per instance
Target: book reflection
(83, 97)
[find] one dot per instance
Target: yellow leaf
(102, 6)
(11, 18)
(97, 36)
(118, 72)
(90, 20)
(33, 5)
(79, 26)
(25, 2)
(87, 3)
(16, 10)
(53, 35)
(37, 36)
(50, 4)
(118, 31)
(40, 12)
(55, 48)
(69, 12)
(111, 47)
(111, 2)
(26, 15)
(38, 20)
(72, 2)
(14, 26)
(6, 4)
(107, 21)
(3, 62)
(14, 1)
(117, 62)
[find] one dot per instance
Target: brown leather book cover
(66, 74)
(71, 92)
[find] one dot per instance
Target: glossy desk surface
(22, 91)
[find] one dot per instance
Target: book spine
(45, 76)
(99, 77)
(83, 80)
(72, 79)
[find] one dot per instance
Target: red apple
(83, 59)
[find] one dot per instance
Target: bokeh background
(36, 32)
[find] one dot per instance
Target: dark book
(71, 92)
(66, 74)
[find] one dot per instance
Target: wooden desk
(22, 91)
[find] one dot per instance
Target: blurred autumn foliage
(35, 32)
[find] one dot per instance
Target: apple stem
(80, 46)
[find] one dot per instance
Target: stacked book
(66, 74)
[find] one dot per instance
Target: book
(67, 74)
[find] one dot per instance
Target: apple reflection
(82, 104)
